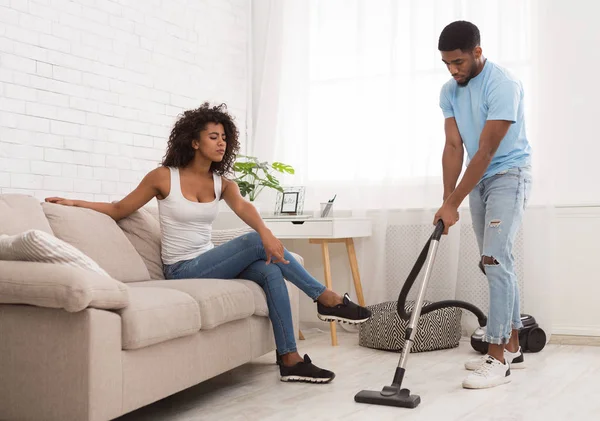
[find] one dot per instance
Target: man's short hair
(459, 35)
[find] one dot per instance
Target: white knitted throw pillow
(219, 237)
(39, 246)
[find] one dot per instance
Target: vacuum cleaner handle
(439, 230)
(412, 276)
(394, 395)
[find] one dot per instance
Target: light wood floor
(560, 383)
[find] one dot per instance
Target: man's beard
(470, 76)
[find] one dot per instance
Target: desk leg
(354, 268)
(328, 284)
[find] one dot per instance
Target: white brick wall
(89, 89)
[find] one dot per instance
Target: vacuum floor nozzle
(389, 396)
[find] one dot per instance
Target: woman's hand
(273, 248)
(60, 201)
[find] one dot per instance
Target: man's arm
(453, 156)
(491, 136)
(503, 102)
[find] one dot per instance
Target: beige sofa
(97, 363)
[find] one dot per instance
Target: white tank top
(186, 226)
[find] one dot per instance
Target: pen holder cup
(326, 210)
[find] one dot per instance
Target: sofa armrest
(59, 286)
(60, 366)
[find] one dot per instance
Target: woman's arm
(144, 192)
(248, 213)
(242, 208)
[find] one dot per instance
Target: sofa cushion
(143, 231)
(20, 213)
(98, 236)
(156, 315)
(59, 286)
(260, 298)
(222, 236)
(220, 300)
(153, 211)
(39, 246)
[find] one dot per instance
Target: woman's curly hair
(179, 148)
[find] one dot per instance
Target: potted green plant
(252, 175)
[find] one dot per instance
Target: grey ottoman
(440, 329)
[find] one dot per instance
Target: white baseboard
(576, 330)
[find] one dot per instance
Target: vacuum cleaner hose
(412, 276)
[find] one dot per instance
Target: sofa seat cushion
(156, 315)
(220, 300)
(99, 237)
(260, 298)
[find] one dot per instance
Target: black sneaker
(306, 372)
(347, 312)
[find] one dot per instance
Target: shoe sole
(301, 379)
(341, 319)
(518, 366)
(503, 380)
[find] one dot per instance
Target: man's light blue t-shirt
(494, 94)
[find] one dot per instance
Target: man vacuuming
(483, 109)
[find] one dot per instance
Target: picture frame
(290, 201)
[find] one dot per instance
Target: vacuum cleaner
(532, 337)
(395, 395)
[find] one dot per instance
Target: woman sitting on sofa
(188, 186)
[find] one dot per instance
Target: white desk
(325, 231)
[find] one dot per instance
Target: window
(375, 78)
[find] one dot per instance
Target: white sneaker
(515, 359)
(489, 374)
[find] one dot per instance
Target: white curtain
(347, 91)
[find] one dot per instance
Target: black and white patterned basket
(440, 329)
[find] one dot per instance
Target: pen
(328, 207)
